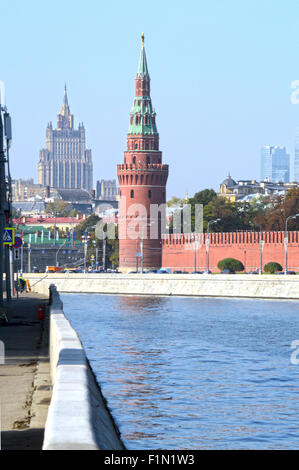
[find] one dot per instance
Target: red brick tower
(142, 180)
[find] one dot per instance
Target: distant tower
(142, 180)
(275, 164)
(65, 162)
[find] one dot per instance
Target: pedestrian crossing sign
(9, 236)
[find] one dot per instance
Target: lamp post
(104, 251)
(195, 248)
(261, 250)
(96, 250)
(286, 241)
(54, 237)
(208, 240)
(85, 242)
(57, 264)
(148, 224)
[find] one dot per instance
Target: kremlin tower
(142, 180)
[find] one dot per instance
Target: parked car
(253, 272)
(197, 272)
(162, 271)
(227, 271)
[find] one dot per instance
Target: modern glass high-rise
(266, 163)
(275, 164)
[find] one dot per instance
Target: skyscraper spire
(65, 101)
(65, 118)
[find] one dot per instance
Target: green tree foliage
(87, 225)
(272, 267)
(232, 264)
(203, 197)
(58, 208)
(265, 212)
(61, 209)
(175, 201)
(277, 209)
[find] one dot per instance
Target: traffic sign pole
(2, 202)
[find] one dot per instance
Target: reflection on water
(192, 373)
(140, 304)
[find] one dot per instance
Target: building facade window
(132, 193)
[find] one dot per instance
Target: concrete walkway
(25, 389)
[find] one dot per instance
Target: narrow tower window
(134, 160)
(132, 193)
(149, 193)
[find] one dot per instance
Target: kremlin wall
(178, 252)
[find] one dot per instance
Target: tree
(272, 267)
(58, 208)
(176, 201)
(88, 225)
(232, 264)
(203, 197)
(278, 208)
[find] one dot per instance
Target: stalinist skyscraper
(65, 162)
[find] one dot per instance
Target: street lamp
(208, 240)
(147, 224)
(261, 250)
(57, 264)
(286, 241)
(96, 250)
(195, 248)
(85, 242)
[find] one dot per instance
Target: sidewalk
(25, 390)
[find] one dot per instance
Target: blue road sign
(9, 236)
(18, 242)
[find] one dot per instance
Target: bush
(231, 263)
(272, 267)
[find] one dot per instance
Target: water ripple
(187, 373)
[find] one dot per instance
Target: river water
(194, 373)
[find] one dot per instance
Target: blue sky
(221, 74)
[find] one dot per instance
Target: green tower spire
(142, 115)
(142, 66)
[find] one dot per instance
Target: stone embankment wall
(77, 417)
(222, 285)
